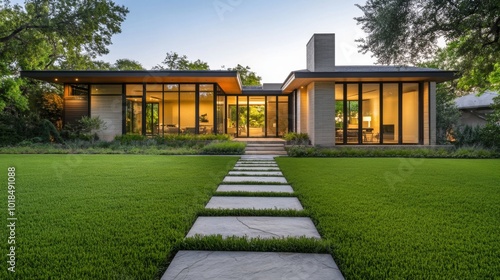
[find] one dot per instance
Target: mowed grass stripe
(105, 216)
(404, 218)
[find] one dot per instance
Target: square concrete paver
(255, 168)
(254, 179)
(255, 188)
(238, 202)
(256, 173)
(195, 265)
(255, 165)
(262, 227)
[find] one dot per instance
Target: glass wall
(232, 116)
(188, 109)
(282, 115)
(221, 115)
(170, 113)
(257, 116)
(371, 113)
(339, 113)
(206, 109)
(410, 113)
(390, 118)
(134, 109)
(271, 116)
(242, 116)
(375, 113)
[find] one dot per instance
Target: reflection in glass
(232, 117)
(271, 116)
(339, 113)
(242, 116)
(282, 115)
(256, 116)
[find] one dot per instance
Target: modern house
(335, 105)
(475, 108)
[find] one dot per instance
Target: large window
(170, 124)
(362, 117)
(206, 109)
(134, 109)
(370, 116)
(410, 113)
(282, 115)
(390, 126)
(188, 109)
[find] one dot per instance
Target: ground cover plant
(388, 151)
(104, 216)
(135, 144)
(390, 218)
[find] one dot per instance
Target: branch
(21, 29)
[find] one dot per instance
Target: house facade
(335, 105)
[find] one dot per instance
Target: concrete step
(255, 179)
(194, 265)
(280, 153)
(255, 188)
(258, 203)
(255, 173)
(264, 148)
(266, 145)
(254, 227)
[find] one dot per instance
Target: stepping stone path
(253, 173)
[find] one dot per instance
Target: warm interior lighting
(367, 119)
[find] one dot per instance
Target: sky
(270, 36)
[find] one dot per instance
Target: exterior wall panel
(108, 109)
(432, 119)
(75, 109)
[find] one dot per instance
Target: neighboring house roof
(475, 101)
(375, 73)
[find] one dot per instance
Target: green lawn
(103, 216)
(404, 218)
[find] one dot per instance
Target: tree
(174, 61)
(127, 64)
(45, 34)
(408, 32)
(248, 77)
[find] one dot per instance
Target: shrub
(467, 135)
(294, 138)
(224, 148)
(128, 139)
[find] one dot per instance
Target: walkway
(253, 173)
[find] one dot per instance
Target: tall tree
(47, 34)
(248, 77)
(408, 32)
(127, 64)
(174, 61)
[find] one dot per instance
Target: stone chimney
(321, 53)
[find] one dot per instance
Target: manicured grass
(103, 216)
(404, 218)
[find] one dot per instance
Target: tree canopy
(248, 77)
(174, 61)
(52, 34)
(409, 32)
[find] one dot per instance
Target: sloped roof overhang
(299, 79)
(229, 81)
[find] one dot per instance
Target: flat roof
(300, 78)
(229, 81)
